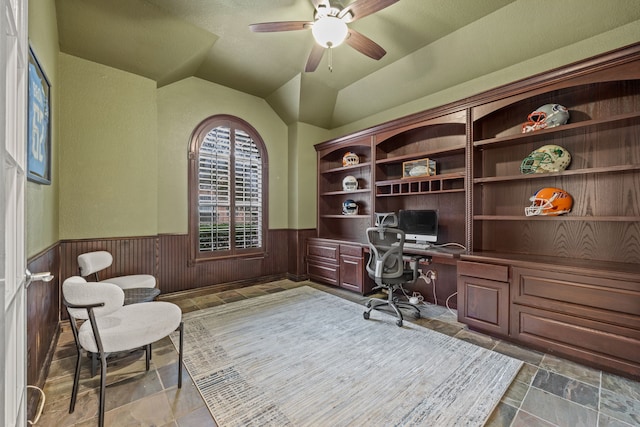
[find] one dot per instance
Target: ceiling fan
(329, 28)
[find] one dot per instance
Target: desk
(442, 255)
(136, 295)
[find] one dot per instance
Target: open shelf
(345, 193)
(588, 171)
(557, 218)
(458, 149)
(436, 184)
(564, 130)
(346, 168)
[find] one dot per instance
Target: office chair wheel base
(365, 314)
(399, 322)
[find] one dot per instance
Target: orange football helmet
(549, 201)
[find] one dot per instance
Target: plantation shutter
(248, 192)
(221, 206)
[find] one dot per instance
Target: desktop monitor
(419, 225)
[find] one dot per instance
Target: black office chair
(387, 267)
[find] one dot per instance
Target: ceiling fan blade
(361, 8)
(314, 58)
(365, 45)
(270, 27)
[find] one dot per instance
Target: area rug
(303, 357)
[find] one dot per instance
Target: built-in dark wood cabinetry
(567, 284)
(574, 279)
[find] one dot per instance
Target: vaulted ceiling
(431, 45)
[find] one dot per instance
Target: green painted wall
(120, 144)
(42, 200)
(108, 152)
(181, 107)
(302, 174)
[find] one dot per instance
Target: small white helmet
(547, 116)
(349, 183)
(548, 158)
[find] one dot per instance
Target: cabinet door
(351, 272)
(484, 304)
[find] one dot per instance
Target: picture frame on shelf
(39, 123)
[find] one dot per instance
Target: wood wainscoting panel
(43, 302)
(175, 273)
(166, 257)
(131, 255)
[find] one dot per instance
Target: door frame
(14, 48)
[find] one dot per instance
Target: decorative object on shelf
(349, 207)
(421, 167)
(350, 159)
(548, 158)
(547, 116)
(549, 201)
(349, 183)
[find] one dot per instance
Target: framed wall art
(39, 123)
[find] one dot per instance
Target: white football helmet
(349, 207)
(350, 159)
(548, 158)
(349, 183)
(547, 116)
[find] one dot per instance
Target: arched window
(227, 189)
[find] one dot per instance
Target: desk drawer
(609, 300)
(325, 250)
(350, 250)
(323, 272)
(594, 342)
(499, 273)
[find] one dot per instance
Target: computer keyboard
(411, 245)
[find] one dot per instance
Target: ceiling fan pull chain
(330, 60)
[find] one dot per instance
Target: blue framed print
(39, 123)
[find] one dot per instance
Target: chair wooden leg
(181, 328)
(103, 385)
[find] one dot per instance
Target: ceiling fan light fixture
(329, 31)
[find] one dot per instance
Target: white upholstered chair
(93, 262)
(109, 327)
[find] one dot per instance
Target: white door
(13, 100)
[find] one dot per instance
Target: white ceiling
(168, 40)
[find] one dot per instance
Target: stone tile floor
(548, 391)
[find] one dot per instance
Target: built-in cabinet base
(581, 312)
(337, 264)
